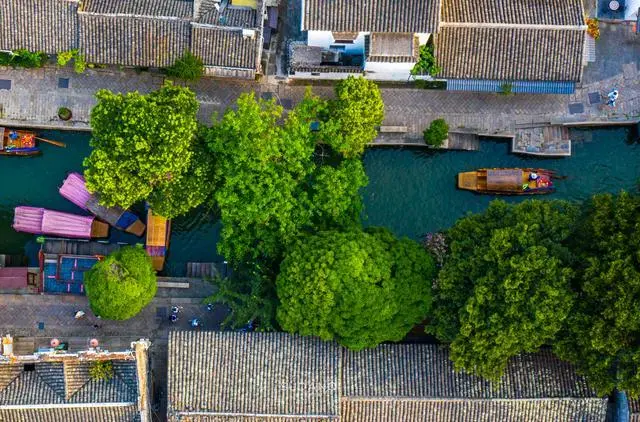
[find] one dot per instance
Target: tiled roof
(530, 12)
(264, 377)
(127, 413)
(224, 47)
(416, 370)
(510, 53)
(226, 373)
(130, 41)
(239, 17)
(393, 48)
(634, 410)
(57, 384)
(38, 25)
(425, 410)
(371, 15)
(168, 8)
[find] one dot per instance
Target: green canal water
(411, 192)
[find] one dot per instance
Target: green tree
(505, 287)
(101, 370)
(122, 284)
(145, 143)
(436, 133)
(353, 116)
(603, 333)
(188, 67)
(270, 187)
(426, 64)
(359, 288)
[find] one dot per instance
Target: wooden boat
(505, 181)
(158, 234)
(18, 142)
(55, 223)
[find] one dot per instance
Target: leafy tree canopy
(505, 287)
(188, 67)
(122, 284)
(426, 64)
(353, 116)
(269, 182)
(359, 288)
(436, 133)
(603, 333)
(145, 143)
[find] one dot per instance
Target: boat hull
(505, 181)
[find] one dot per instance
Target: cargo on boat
(505, 181)
(75, 190)
(55, 223)
(158, 234)
(18, 142)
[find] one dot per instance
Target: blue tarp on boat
(517, 87)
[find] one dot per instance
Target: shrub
(64, 113)
(23, 58)
(593, 28)
(79, 65)
(506, 88)
(426, 64)
(436, 133)
(65, 57)
(101, 370)
(189, 67)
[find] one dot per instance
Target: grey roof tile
(174, 8)
(38, 25)
(510, 53)
(127, 413)
(634, 410)
(531, 12)
(226, 47)
(372, 15)
(131, 41)
(227, 374)
(239, 17)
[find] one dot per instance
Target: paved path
(35, 94)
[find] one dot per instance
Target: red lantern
(94, 342)
(54, 342)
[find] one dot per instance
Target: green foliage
(65, 57)
(144, 147)
(64, 113)
(101, 370)
(436, 133)
(23, 58)
(426, 64)
(250, 295)
(603, 333)
(79, 64)
(505, 287)
(189, 67)
(355, 287)
(122, 284)
(424, 84)
(269, 181)
(353, 116)
(506, 88)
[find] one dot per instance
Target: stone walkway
(35, 95)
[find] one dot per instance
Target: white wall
(325, 39)
(323, 75)
(388, 71)
(423, 38)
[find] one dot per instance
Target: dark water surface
(410, 191)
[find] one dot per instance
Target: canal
(411, 192)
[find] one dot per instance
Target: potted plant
(64, 113)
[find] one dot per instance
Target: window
(337, 47)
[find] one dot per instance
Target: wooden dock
(202, 270)
(465, 141)
(547, 140)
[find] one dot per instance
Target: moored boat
(508, 181)
(158, 234)
(55, 223)
(18, 142)
(75, 190)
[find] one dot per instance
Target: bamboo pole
(56, 143)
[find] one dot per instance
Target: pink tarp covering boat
(42, 221)
(74, 190)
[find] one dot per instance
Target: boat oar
(49, 141)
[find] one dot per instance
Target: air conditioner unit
(248, 33)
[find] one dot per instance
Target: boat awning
(13, 278)
(504, 180)
(156, 230)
